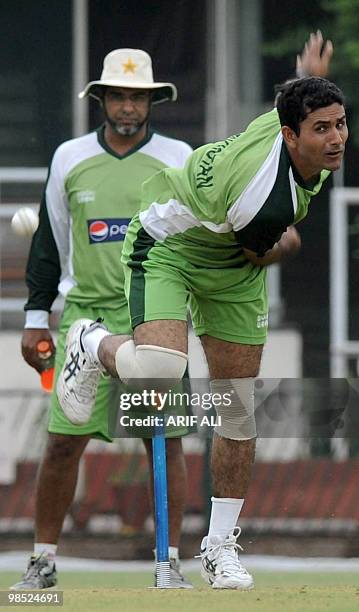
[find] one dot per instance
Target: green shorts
(160, 284)
(109, 391)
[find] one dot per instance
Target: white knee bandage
(237, 410)
(139, 366)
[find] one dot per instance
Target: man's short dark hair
(297, 98)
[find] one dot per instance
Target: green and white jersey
(240, 192)
(90, 197)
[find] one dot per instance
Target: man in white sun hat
(92, 192)
(130, 68)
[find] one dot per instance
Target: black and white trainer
(78, 380)
(221, 565)
(40, 574)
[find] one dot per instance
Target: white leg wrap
(149, 365)
(237, 418)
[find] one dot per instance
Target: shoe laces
(87, 382)
(225, 553)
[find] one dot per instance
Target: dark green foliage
(339, 21)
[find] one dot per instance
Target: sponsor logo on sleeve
(85, 197)
(107, 230)
(262, 320)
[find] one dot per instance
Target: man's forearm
(272, 256)
(288, 245)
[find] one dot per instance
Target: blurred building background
(225, 57)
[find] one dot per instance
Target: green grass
(274, 592)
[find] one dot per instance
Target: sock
(173, 552)
(49, 549)
(224, 515)
(91, 341)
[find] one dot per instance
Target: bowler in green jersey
(205, 235)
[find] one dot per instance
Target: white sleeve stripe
(67, 156)
(173, 217)
(58, 212)
(251, 200)
(293, 191)
(172, 153)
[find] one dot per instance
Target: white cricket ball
(25, 222)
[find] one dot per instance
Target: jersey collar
(307, 185)
(101, 139)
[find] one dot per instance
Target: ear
(289, 136)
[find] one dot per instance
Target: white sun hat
(130, 68)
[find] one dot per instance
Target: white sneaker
(78, 380)
(40, 574)
(221, 566)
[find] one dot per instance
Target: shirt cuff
(300, 73)
(37, 319)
